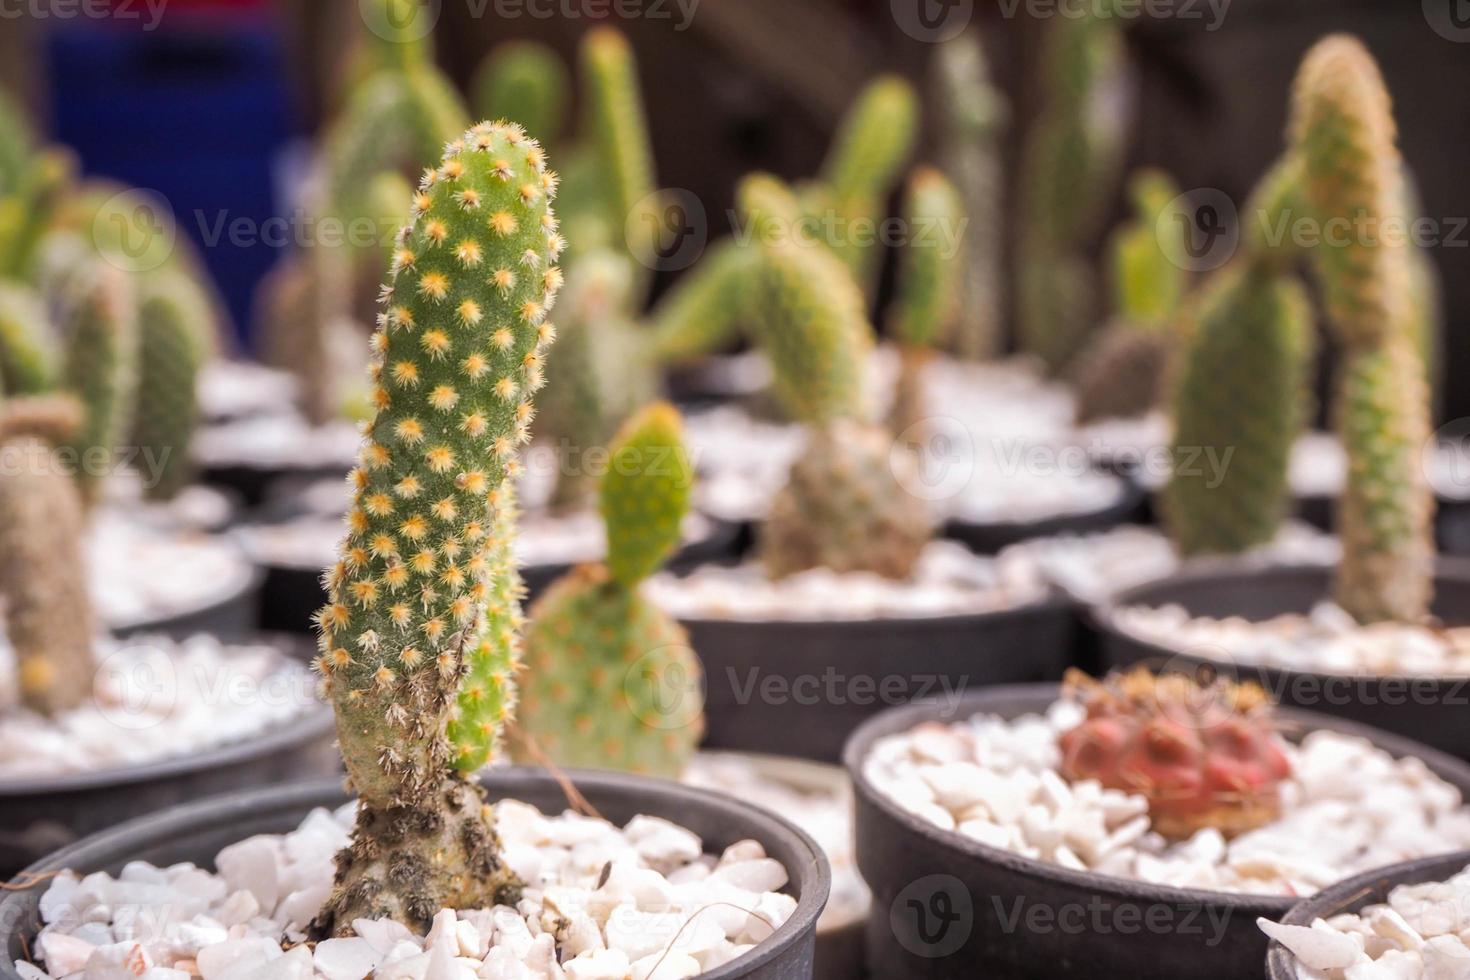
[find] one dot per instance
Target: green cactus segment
(645, 493)
(1148, 284)
(174, 328)
(1069, 168)
(874, 141)
(397, 33)
(1386, 513)
(619, 130)
(1274, 206)
(1342, 127)
(846, 508)
(706, 310)
(17, 144)
(931, 263)
(1121, 373)
(1239, 408)
(48, 614)
(611, 681)
(26, 215)
(524, 82)
(27, 355)
(971, 122)
(457, 356)
(101, 369)
(813, 324)
(487, 695)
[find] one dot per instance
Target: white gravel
(141, 573)
(1327, 640)
(1348, 807)
(665, 911)
(817, 798)
(279, 441)
(154, 698)
(1421, 933)
(1094, 567)
(232, 389)
(948, 580)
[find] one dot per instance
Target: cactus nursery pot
(990, 537)
(1429, 709)
(946, 905)
(197, 832)
(1355, 894)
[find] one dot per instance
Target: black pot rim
(813, 879)
(1129, 497)
(1050, 601)
(991, 700)
(1205, 570)
(249, 583)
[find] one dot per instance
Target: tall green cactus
(27, 355)
(972, 119)
(523, 82)
(1342, 129)
(457, 356)
(174, 319)
(43, 581)
(612, 680)
(931, 270)
(101, 369)
(1069, 168)
(845, 506)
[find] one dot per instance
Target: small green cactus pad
(812, 320)
(26, 215)
(874, 141)
(395, 33)
(846, 507)
(27, 354)
(972, 116)
(1342, 128)
(101, 369)
(1121, 373)
(619, 129)
(1386, 514)
(174, 325)
(48, 615)
(1274, 206)
(645, 493)
(931, 263)
(524, 82)
(1148, 284)
(612, 681)
(1239, 407)
(706, 310)
(457, 356)
(487, 695)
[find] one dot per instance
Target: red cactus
(1204, 755)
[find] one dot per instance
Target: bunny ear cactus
(48, 615)
(972, 117)
(1342, 128)
(931, 269)
(845, 507)
(173, 325)
(1068, 171)
(526, 83)
(612, 681)
(457, 356)
(705, 310)
(101, 369)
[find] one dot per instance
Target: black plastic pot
(990, 538)
(253, 483)
(291, 595)
(715, 378)
(198, 832)
(947, 906)
(234, 613)
(1356, 893)
(39, 815)
(1431, 710)
(800, 688)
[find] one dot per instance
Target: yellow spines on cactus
(645, 493)
(456, 358)
(1343, 130)
(43, 581)
(523, 82)
(612, 682)
(812, 321)
(174, 319)
(101, 369)
(618, 128)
